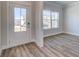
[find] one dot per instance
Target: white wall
(3, 24)
(38, 23)
(54, 7)
(33, 22)
(71, 18)
(0, 28)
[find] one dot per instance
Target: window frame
(51, 19)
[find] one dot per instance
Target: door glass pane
(23, 19)
(16, 19)
(19, 19)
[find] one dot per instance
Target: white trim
(52, 34)
(0, 52)
(6, 47)
(40, 44)
(72, 33)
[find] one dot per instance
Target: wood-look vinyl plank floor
(61, 45)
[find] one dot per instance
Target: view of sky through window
(50, 19)
(19, 19)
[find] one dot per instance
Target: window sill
(51, 28)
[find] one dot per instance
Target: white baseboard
(52, 34)
(40, 44)
(6, 47)
(72, 33)
(33, 40)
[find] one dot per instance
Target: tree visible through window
(50, 19)
(19, 19)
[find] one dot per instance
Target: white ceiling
(62, 2)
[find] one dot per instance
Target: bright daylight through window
(19, 19)
(50, 19)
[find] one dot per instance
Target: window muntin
(50, 19)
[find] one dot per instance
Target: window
(46, 19)
(19, 19)
(55, 18)
(50, 19)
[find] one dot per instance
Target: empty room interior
(39, 28)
